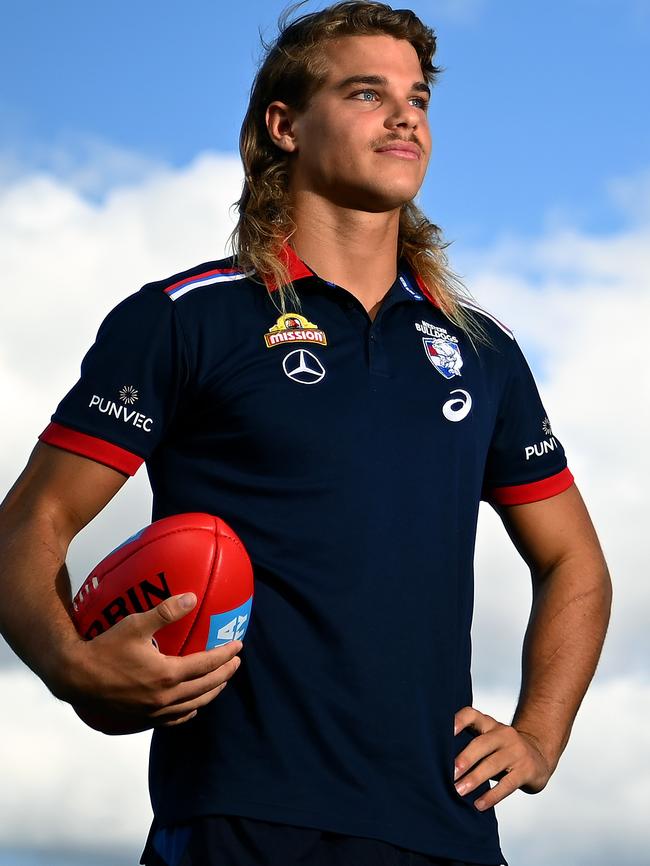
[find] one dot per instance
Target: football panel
(148, 573)
(226, 607)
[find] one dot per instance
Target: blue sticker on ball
(128, 541)
(230, 625)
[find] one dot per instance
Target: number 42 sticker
(458, 407)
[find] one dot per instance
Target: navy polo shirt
(350, 455)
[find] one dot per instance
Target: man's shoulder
(496, 331)
(198, 279)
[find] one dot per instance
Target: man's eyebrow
(380, 80)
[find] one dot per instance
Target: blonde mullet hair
(292, 70)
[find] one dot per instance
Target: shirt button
(373, 339)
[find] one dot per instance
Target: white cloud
(594, 809)
(88, 164)
(584, 318)
(66, 262)
(578, 304)
(65, 783)
(633, 194)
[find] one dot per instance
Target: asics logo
(458, 407)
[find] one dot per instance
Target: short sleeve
(129, 386)
(526, 461)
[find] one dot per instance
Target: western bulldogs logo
(444, 354)
(441, 348)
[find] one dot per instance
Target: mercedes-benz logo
(301, 366)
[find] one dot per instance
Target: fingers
(168, 611)
(167, 707)
(500, 752)
(191, 696)
(493, 763)
(179, 721)
(484, 758)
(145, 625)
(180, 696)
(508, 784)
(135, 680)
(468, 717)
(183, 712)
(196, 665)
(479, 748)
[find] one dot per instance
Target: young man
(331, 394)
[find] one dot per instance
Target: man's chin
(378, 201)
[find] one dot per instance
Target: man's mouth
(401, 149)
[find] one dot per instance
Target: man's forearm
(562, 645)
(35, 589)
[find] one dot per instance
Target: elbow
(583, 577)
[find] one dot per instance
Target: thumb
(168, 611)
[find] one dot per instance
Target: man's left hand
(510, 757)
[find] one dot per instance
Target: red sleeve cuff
(519, 494)
(90, 446)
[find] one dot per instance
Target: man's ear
(280, 124)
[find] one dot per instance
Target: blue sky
(540, 176)
(540, 106)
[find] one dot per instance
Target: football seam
(216, 531)
(236, 540)
(143, 546)
(153, 541)
(197, 612)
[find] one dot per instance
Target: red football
(192, 552)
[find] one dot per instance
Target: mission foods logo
(293, 328)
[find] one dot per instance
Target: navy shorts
(230, 840)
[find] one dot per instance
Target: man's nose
(403, 115)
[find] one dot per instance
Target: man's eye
(422, 103)
(363, 94)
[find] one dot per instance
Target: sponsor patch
(441, 348)
(458, 407)
(229, 625)
(303, 366)
(128, 395)
(293, 328)
(539, 449)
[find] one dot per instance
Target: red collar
(298, 269)
(427, 294)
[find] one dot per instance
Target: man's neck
(354, 249)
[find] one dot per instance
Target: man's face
(364, 141)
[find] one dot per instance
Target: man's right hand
(121, 683)
(119, 677)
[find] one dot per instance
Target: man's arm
(120, 672)
(572, 595)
